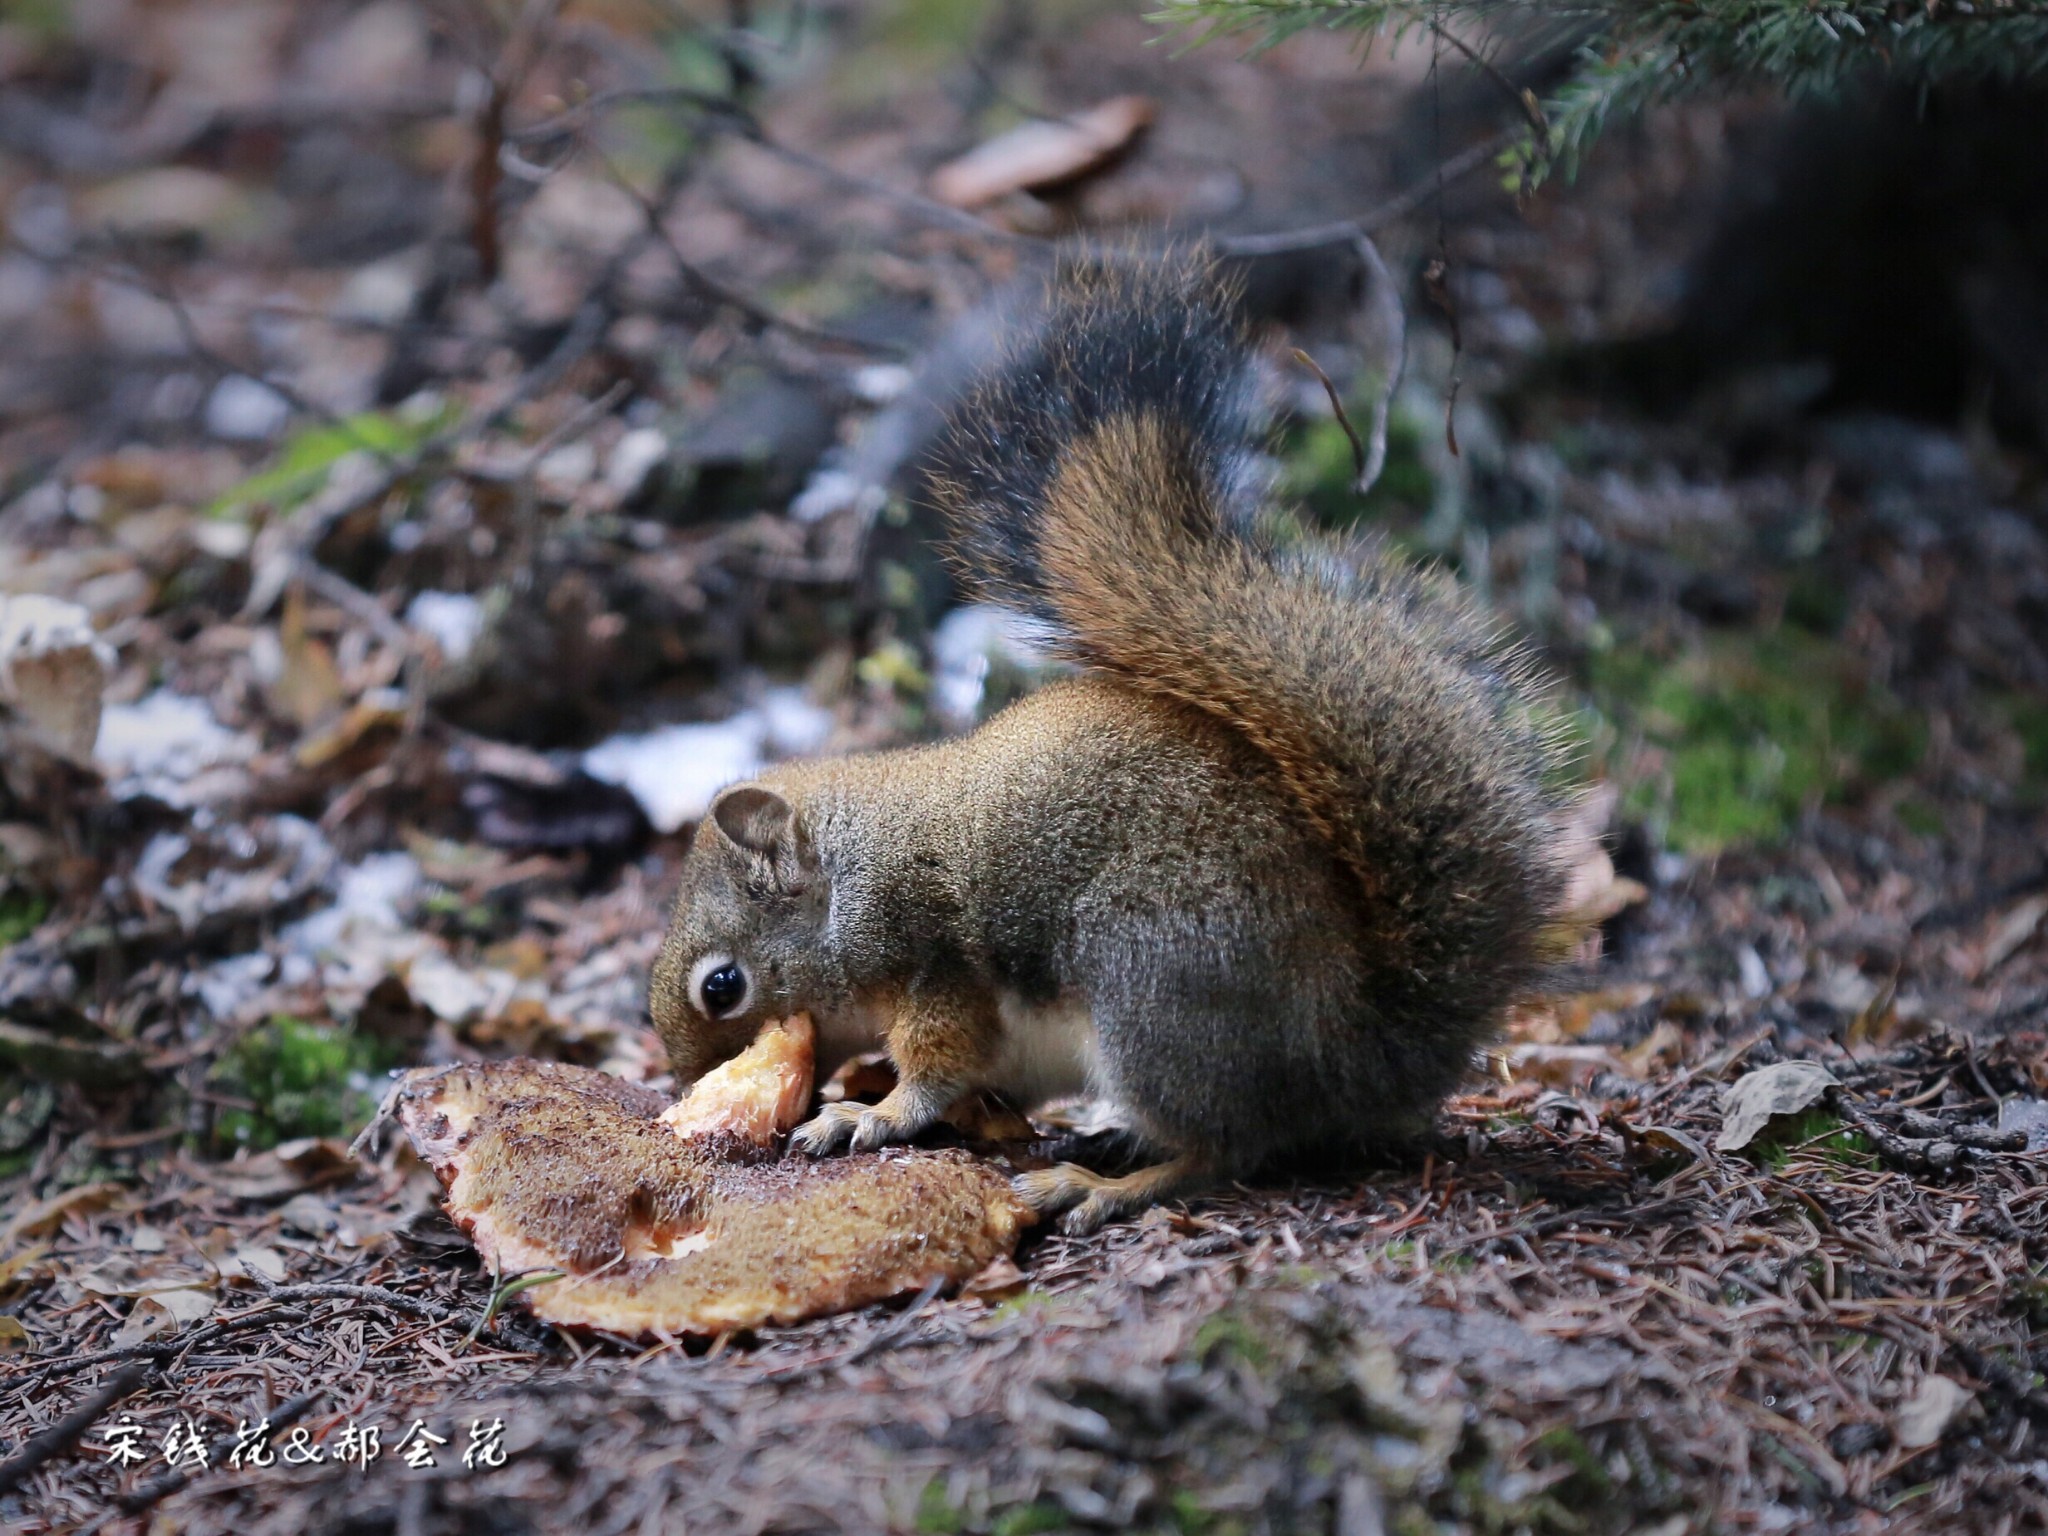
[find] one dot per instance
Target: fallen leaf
(1752, 1101)
(53, 670)
(1561, 1066)
(21, 1261)
(161, 1311)
(998, 1280)
(309, 685)
(1673, 1139)
(41, 1216)
(263, 1263)
(1039, 156)
(1576, 1013)
(2013, 930)
(310, 1215)
(13, 1335)
(1662, 1048)
(1925, 1417)
(285, 1169)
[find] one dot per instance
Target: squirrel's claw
(866, 1127)
(830, 1129)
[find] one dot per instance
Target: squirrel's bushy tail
(1098, 481)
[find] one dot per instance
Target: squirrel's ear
(760, 821)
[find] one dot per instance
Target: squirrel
(1263, 874)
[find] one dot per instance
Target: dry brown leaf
(1925, 1417)
(11, 1268)
(2009, 935)
(288, 1167)
(1755, 1099)
(1576, 1013)
(309, 687)
(1039, 156)
(53, 671)
(1659, 1051)
(998, 1281)
(41, 1216)
(161, 1311)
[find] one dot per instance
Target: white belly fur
(1048, 1051)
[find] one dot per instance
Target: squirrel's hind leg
(1090, 1199)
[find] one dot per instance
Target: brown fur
(1287, 844)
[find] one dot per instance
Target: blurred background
(442, 442)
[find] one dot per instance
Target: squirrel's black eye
(724, 989)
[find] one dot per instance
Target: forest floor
(452, 522)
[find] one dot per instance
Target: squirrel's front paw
(856, 1127)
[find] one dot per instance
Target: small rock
(634, 459)
(246, 410)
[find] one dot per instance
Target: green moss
(1730, 742)
(1920, 818)
(20, 912)
(1190, 1516)
(1226, 1330)
(1030, 1519)
(936, 1515)
(1017, 1305)
(1817, 1130)
(299, 1079)
(2029, 719)
(1566, 1446)
(1320, 471)
(1817, 600)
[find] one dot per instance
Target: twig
(1524, 99)
(718, 293)
(67, 1431)
(310, 521)
(1337, 405)
(516, 59)
(1395, 208)
(139, 276)
(729, 117)
(163, 1349)
(336, 1291)
(871, 1346)
(901, 1326)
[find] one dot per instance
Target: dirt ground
(434, 409)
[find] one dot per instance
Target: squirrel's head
(744, 941)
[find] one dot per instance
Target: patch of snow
(162, 743)
(966, 646)
(836, 490)
(881, 383)
(677, 770)
(452, 620)
(634, 458)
